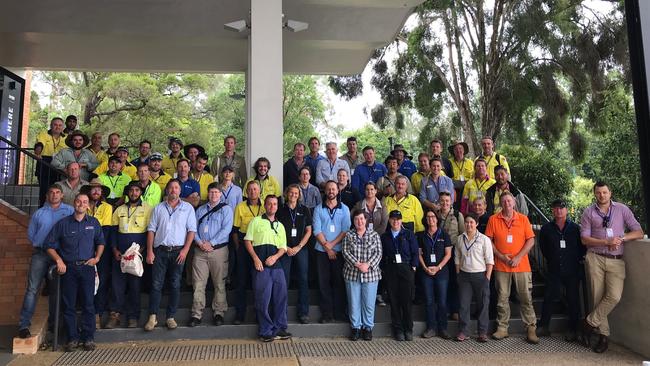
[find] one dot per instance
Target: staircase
(249, 329)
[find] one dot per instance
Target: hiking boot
(408, 335)
(171, 323)
(151, 323)
(500, 334)
(113, 321)
(218, 320)
(531, 336)
(355, 334)
(24, 333)
(71, 346)
(602, 345)
(88, 346)
(194, 322)
(366, 334)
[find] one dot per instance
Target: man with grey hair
(328, 168)
(71, 185)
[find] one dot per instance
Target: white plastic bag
(96, 281)
(131, 262)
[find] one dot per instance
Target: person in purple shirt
(605, 227)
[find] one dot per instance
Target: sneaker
(531, 335)
(442, 333)
(218, 320)
(89, 346)
(193, 322)
(543, 332)
(267, 339)
(303, 319)
(366, 334)
(355, 334)
(461, 337)
(500, 334)
(283, 334)
(428, 333)
(113, 321)
(133, 323)
(171, 323)
(482, 338)
(380, 301)
(24, 333)
(71, 346)
(408, 335)
(151, 323)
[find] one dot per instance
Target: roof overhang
(189, 36)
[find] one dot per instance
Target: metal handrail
(32, 155)
(537, 210)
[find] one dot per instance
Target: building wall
(15, 255)
(630, 320)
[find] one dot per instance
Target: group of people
(449, 230)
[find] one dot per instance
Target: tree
(500, 65)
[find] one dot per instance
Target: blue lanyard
(171, 213)
(435, 240)
(226, 194)
(293, 213)
(468, 248)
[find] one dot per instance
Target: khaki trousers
(605, 277)
(524, 285)
(212, 265)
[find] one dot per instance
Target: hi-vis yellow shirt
(51, 145)
(103, 212)
(410, 208)
(463, 170)
(204, 180)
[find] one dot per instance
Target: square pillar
(264, 129)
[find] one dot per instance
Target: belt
(168, 248)
(610, 256)
(219, 246)
(76, 263)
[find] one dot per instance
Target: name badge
(462, 178)
(563, 244)
(332, 229)
(111, 195)
(351, 172)
(509, 239)
(433, 258)
(125, 227)
(205, 229)
(371, 226)
(398, 258)
(294, 232)
(610, 232)
(429, 186)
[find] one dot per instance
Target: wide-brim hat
(453, 145)
(68, 139)
(133, 183)
(174, 140)
(400, 147)
(95, 183)
(187, 148)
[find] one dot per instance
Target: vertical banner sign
(11, 103)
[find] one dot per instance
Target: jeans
(165, 266)
(270, 289)
(301, 262)
(79, 280)
(361, 303)
(435, 294)
(38, 268)
(126, 292)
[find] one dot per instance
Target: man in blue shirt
(327, 169)
(370, 170)
(214, 223)
(313, 157)
(170, 235)
(433, 184)
(39, 226)
(331, 222)
(190, 188)
(400, 253)
(76, 243)
(406, 166)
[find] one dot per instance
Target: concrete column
(264, 130)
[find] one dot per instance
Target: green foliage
(542, 176)
(581, 196)
(370, 135)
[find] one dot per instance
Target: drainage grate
(377, 348)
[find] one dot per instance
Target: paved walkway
(335, 352)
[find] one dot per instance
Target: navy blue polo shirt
(435, 244)
(299, 218)
(562, 261)
(404, 243)
(76, 240)
(190, 186)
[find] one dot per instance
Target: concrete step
(249, 330)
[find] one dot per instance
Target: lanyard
(460, 168)
(332, 213)
(480, 187)
(173, 210)
(468, 248)
(561, 232)
(128, 211)
(304, 192)
(227, 193)
(113, 184)
(435, 240)
(371, 169)
(332, 165)
(293, 213)
(606, 218)
(509, 223)
(435, 185)
(57, 143)
(251, 210)
(146, 190)
(272, 227)
(396, 243)
(399, 204)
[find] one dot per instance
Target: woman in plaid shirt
(362, 253)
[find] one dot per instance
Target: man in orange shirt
(512, 238)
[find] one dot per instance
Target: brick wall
(15, 254)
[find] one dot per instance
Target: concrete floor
(617, 355)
